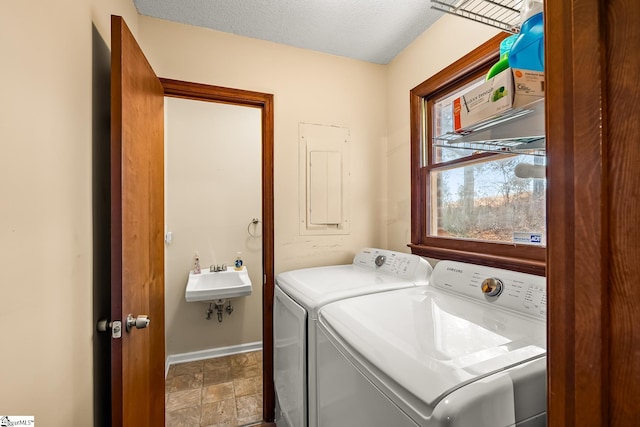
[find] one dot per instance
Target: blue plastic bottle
(238, 263)
(527, 52)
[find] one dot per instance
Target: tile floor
(224, 391)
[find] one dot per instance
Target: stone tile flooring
(224, 391)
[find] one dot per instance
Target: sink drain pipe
(219, 308)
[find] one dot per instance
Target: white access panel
(323, 179)
(325, 187)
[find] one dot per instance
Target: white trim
(210, 353)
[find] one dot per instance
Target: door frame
(593, 272)
(264, 101)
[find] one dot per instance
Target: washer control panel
(406, 266)
(521, 292)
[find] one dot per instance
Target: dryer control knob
(380, 259)
(491, 287)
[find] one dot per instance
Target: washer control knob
(491, 287)
(380, 259)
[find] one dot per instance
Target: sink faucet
(216, 268)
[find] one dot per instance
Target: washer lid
(429, 343)
(315, 287)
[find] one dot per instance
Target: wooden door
(137, 223)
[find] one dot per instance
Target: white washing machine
(467, 350)
(298, 296)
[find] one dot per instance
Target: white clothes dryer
(468, 350)
(299, 294)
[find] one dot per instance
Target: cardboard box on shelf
(508, 90)
(528, 86)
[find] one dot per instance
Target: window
(468, 204)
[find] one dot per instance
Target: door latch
(139, 322)
(115, 326)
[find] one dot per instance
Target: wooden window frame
(524, 258)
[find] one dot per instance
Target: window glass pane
(443, 123)
(487, 201)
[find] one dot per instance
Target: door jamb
(264, 101)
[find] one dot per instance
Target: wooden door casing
(592, 61)
(264, 101)
(137, 224)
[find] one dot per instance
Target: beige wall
(308, 87)
(45, 207)
(213, 190)
(447, 40)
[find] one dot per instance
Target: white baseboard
(210, 353)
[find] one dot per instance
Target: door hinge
(115, 327)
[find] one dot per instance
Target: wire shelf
(528, 145)
(502, 14)
(518, 130)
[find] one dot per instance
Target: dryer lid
(373, 270)
(429, 342)
(315, 287)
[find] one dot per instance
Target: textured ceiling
(369, 30)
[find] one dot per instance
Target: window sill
(530, 266)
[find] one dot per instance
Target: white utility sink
(212, 286)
